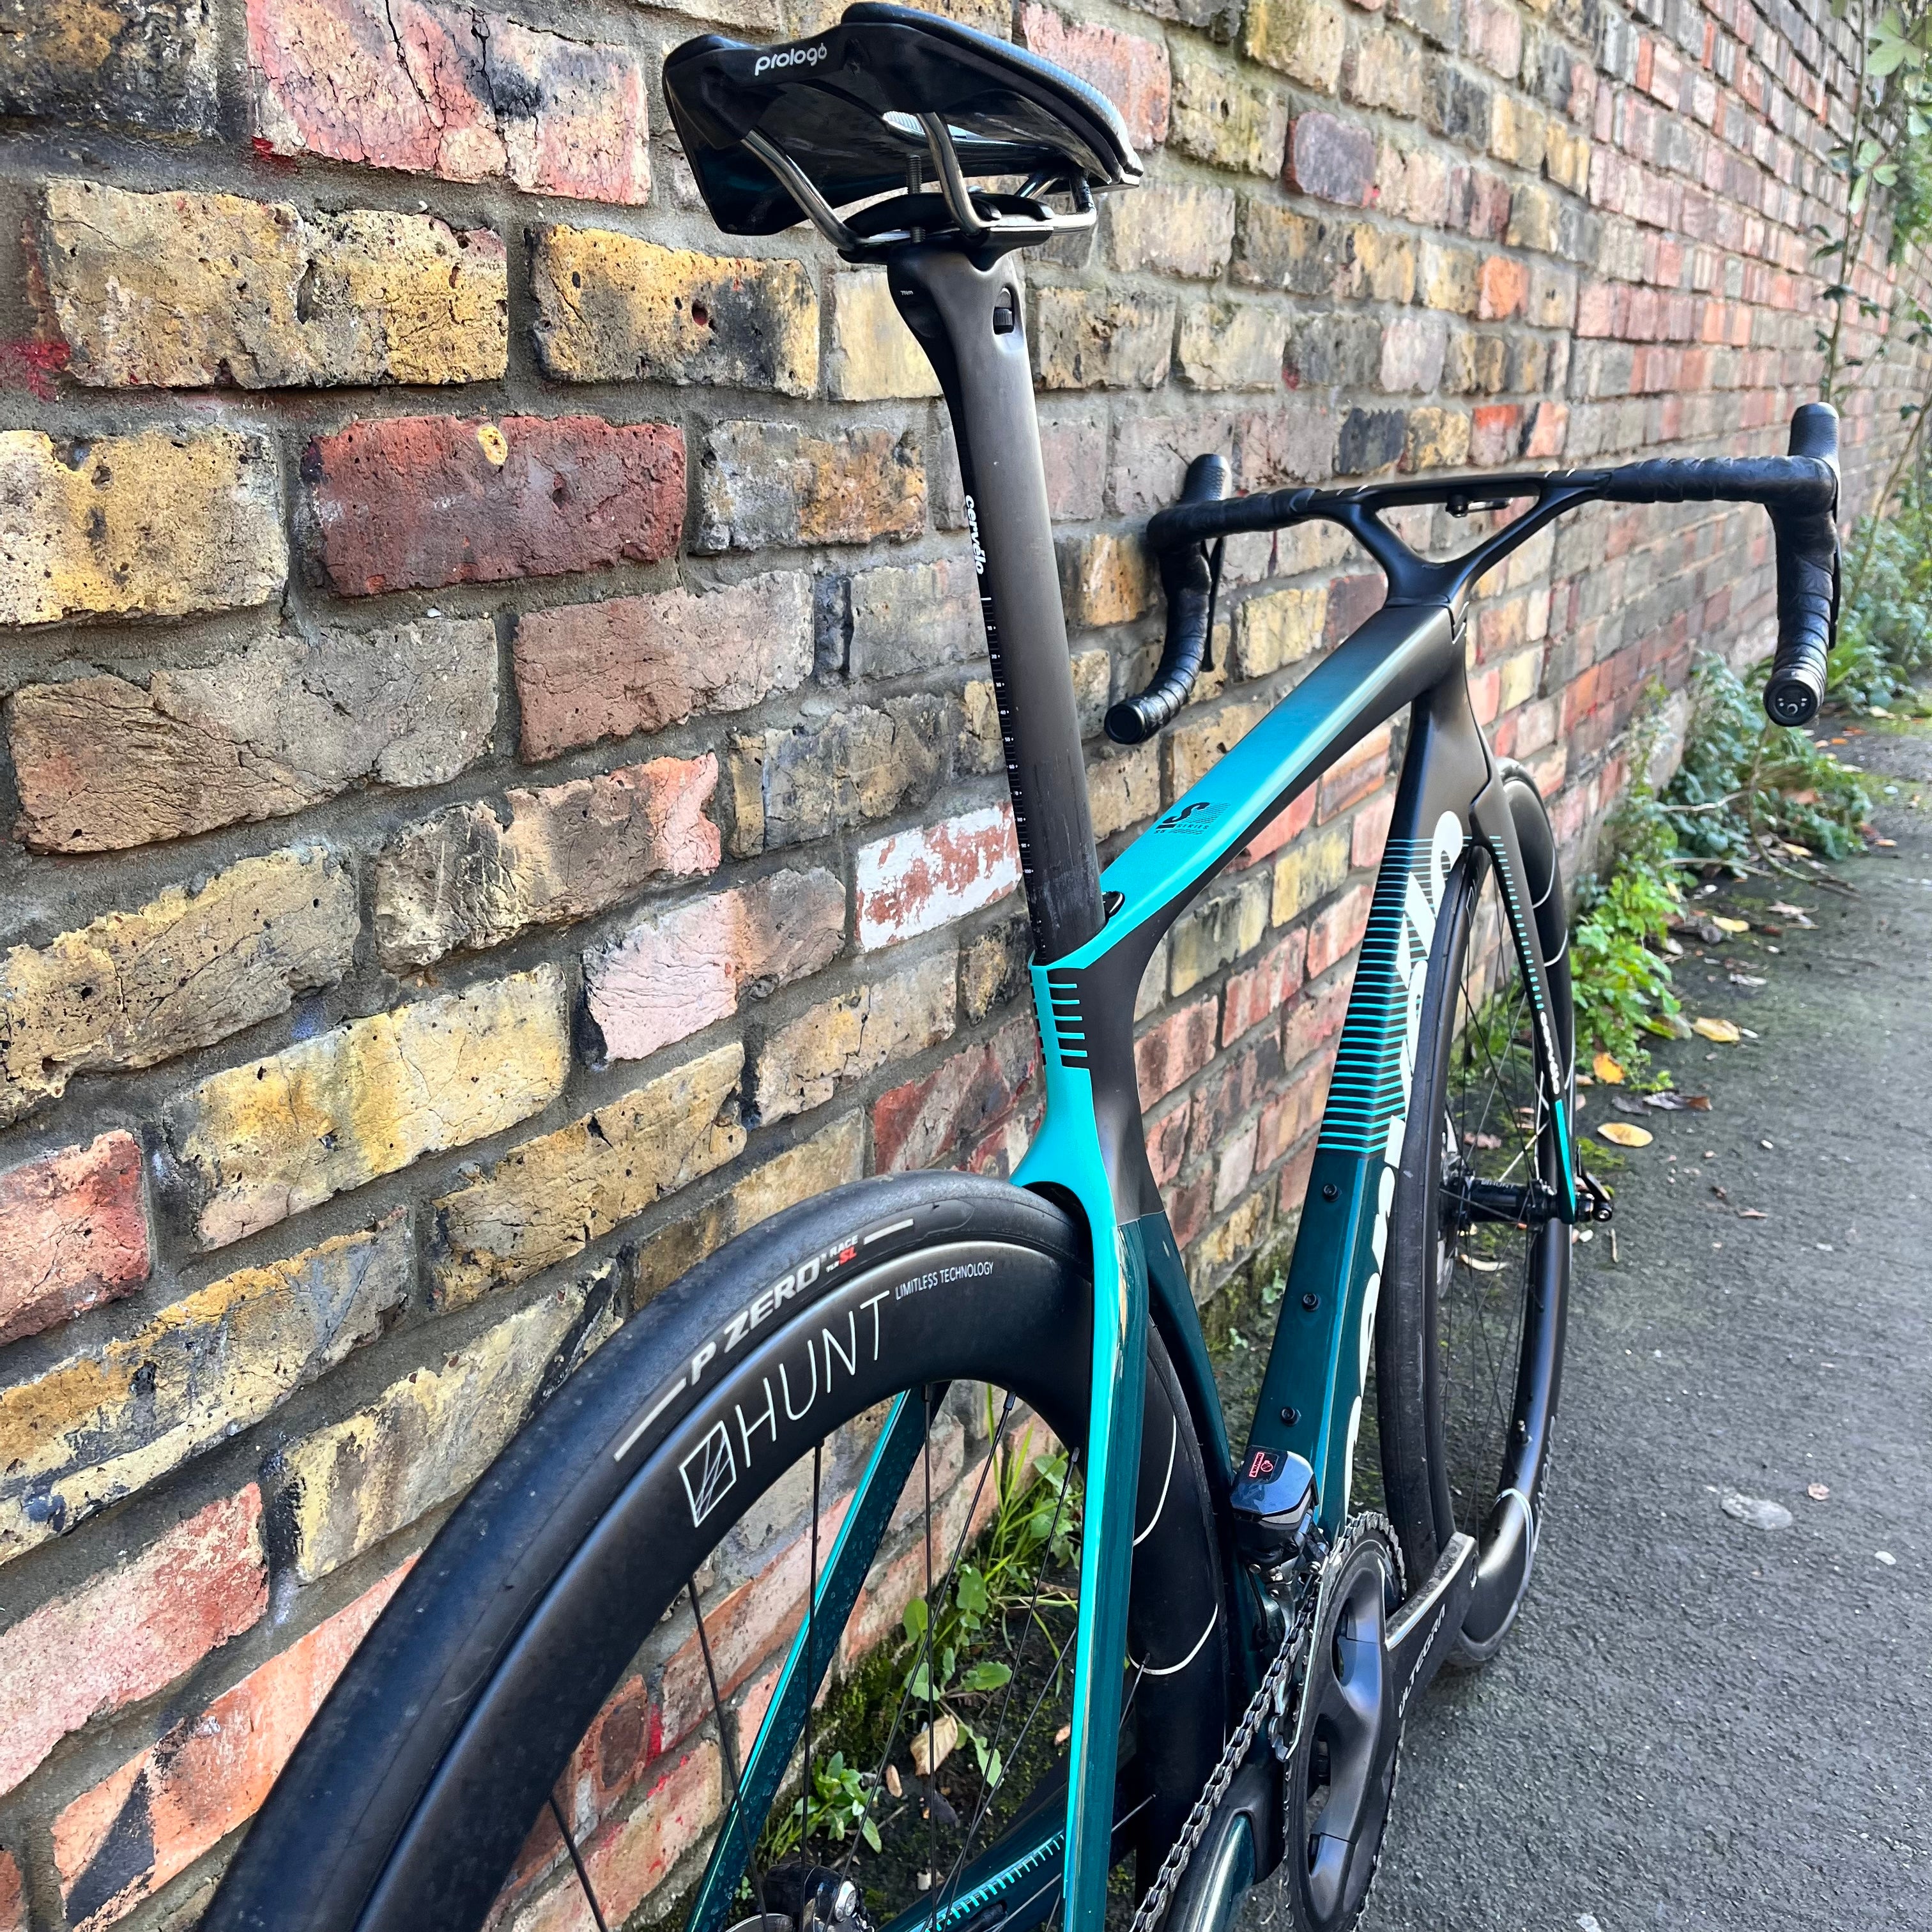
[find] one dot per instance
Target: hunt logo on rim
(834, 1258)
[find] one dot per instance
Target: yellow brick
(428, 1436)
(187, 290)
(874, 356)
(615, 308)
(830, 1158)
(545, 1200)
(804, 1063)
(158, 524)
(1436, 439)
(187, 969)
(1192, 748)
(1519, 679)
(1279, 627)
(1303, 39)
(1310, 869)
(1108, 579)
(264, 1140)
(1124, 791)
(106, 1420)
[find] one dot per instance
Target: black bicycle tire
(1408, 1413)
(394, 1816)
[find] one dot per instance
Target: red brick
(1133, 72)
(1352, 601)
(420, 502)
(1167, 1144)
(1495, 431)
(1188, 1207)
(435, 87)
(1332, 160)
(925, 1122)
(1334, 934)
(12, 1896)
(1285, 1119)
(73, 1233)
(1354, 775)
(1236, 1082)
(586, 671)
(162, 1810)
(183, 1595)
(678, 971)
(1284, 830)
(916, 881)
(1293, 1182)
(1549, 427)
(1502, 288)
(1181, 1045)
(1314, 1019)
(1369, 833)
(1259, 993)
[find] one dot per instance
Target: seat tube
(971, 322)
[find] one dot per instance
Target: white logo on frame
(709, 1473)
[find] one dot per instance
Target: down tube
(1311, 1398)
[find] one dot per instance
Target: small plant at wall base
(1747, 797)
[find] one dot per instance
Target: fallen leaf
(1628, 1103)
(892, 1783)
(932, 1745)
(1480, 1266)
(1724, 1032)
(1753, 1214)
(1486, 1140)
(1721, 1193)
(1667, 1026)
(1817, 1492)
(1671, 1102)
(1718, 920)
(1607, 1070)
(1758, 1511)
(1065, 1732)
(1624, 1135)
(1790, 910)
(1748, 979)
(1885, 1557)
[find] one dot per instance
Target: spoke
(728, 1754)
(1015, 1651)
(905, 1690)
(582, 1877)
(811, 1658)
(931, 1766)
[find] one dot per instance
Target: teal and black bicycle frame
(1095, 935)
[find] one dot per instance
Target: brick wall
(502, 777)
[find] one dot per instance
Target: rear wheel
(1470, 1356)
(835, 1455)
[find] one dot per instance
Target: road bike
(893, 1569)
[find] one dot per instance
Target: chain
(1272, 1695)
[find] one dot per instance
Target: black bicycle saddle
(844, 107)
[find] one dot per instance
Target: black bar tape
(1807, 578)
(1189, 579)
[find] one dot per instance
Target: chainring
(1341, 1768)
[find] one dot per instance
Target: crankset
(1369, 1651)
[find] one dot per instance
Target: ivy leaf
(870, 1832)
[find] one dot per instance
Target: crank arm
(1424, 1631)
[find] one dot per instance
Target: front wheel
(1469, 1353)
(841, 1457)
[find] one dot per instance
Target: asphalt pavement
(1698, 1722)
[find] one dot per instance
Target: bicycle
(1214, 1687)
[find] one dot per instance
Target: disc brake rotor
(1342, 1764)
